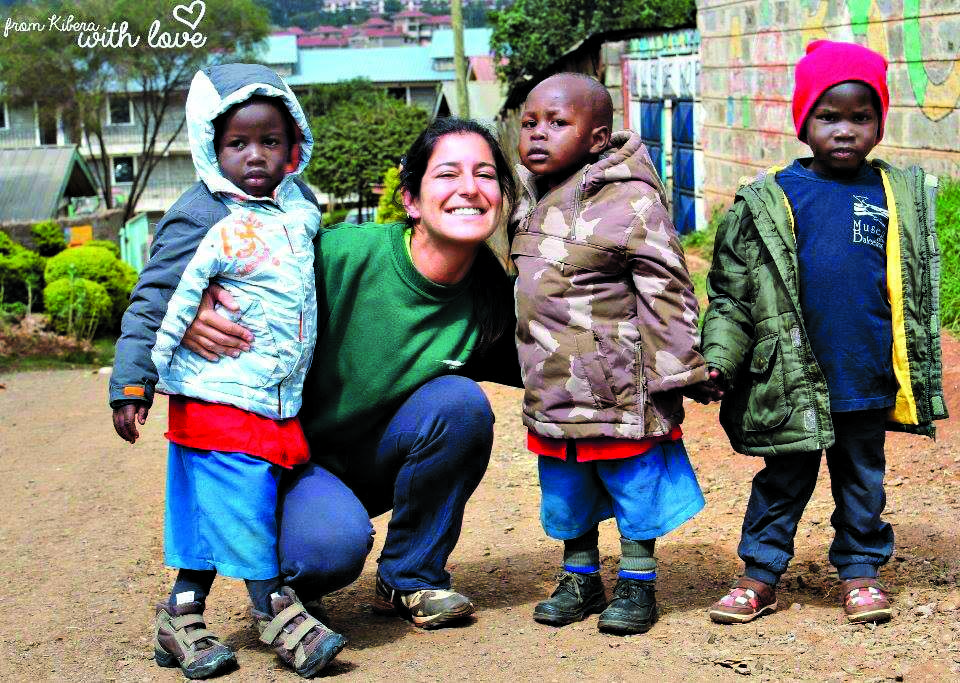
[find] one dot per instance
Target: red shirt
(597, 449)
(217, 427)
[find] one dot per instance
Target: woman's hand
(210, 334)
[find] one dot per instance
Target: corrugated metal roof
(379, 64)
(33, 181)
(476, 41)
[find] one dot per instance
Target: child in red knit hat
(823, 328)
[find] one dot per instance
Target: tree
(531, 34)
(357, 141)
(77, 80)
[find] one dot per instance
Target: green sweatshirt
(383, 331)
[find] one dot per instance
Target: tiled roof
(442, 19)
(383, 33)
(309, 41)
(376, 21)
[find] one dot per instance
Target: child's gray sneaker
(181, 638)
(576, 596)
(633, 608)
(302, 642)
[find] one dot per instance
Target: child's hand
(708, 390)
(125, 420)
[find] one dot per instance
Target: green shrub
(77, 307)
(948, 231)
(48, 236)
(21, 272)
(12, 312)
(105, 244)
(701, 241)
(97, 265)
(335, 216)
(390, 210)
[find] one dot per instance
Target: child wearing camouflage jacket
(607, 338)
(823, 322)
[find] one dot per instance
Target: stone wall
(748, 52)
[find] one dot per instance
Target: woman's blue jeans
(428, 463)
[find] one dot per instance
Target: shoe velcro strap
(291, 640)
(198, 634)
(276, 625)
(185, 620)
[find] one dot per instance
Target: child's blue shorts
(221, 513)
(648, 494)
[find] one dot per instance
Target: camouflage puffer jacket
(607, 319)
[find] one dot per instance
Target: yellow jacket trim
(905, 409)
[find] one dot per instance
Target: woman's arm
(210, 334)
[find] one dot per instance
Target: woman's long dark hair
(490, 286)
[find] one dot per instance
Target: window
(120, 111)
(4, 119)
(123, 169)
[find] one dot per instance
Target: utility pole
(459, 61)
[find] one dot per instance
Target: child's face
(842, 129)
(558, 134)
(255, 148)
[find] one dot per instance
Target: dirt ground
(81, 564)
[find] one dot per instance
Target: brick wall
(749, 49)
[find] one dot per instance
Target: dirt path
(80, 565)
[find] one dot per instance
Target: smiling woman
(410, 316)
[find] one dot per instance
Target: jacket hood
(217, 88)
(625, 159)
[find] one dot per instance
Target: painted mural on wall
(749, 49)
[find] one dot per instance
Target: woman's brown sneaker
(865, 601)
(747, 600)
(181, 638)
(428, 608)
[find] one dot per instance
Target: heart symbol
(189, 12)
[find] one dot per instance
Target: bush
(390, 210)
(21, 272)
(335, 216)
(97, 265)
(48, 236)
(948, 231)
(105, 244)
(77, 307)
(12, 312)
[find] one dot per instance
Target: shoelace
(569, 582)
(632, 591)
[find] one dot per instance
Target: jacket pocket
(595, 369)
(767, 406)
(259, 367)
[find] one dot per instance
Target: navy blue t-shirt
(841, 228)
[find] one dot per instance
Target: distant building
(416, 74)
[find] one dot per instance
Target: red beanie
(828, 63)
